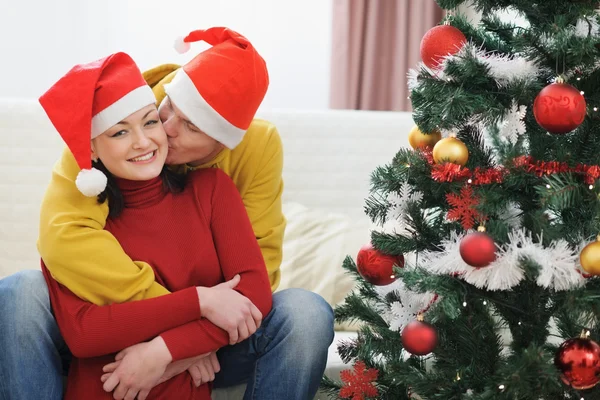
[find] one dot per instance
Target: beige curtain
(375, 43)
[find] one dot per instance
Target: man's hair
(173, 182)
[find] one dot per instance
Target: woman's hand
(193, 365)
(204, 369)
(229, 310)
(136, 370)
(178, 367)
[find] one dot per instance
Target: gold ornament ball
(590, 258)
(420, 140)
(450, 150)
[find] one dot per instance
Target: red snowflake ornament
(358, 384)
(463, 208)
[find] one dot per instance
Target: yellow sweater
(88, 260)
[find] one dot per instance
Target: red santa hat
(221, 88)
(87, 101)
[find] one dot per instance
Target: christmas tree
(481, 282)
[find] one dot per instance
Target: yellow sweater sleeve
(262, 200)
(77, 250)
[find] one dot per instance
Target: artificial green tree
(492, 229)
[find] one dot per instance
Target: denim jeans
(284, 359)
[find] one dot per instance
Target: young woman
(193, 231)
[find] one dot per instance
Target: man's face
(187, 143)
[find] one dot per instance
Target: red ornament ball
(559, 108)
(377, 268)
(478, 249)
(578, 360)
(441, 41)
(419, 338)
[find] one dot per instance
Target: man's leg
(286, 357)
(31, 348)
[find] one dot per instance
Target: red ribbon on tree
(450, 172)
(590, 173)
(488, 176)
(485, 176)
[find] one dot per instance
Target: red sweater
(200, 237)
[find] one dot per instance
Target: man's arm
(77, 250)
(262, 200)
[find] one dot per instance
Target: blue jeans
(284, 359)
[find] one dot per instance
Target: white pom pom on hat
(91, 182)
(181, 46)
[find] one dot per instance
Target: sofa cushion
(314, 247)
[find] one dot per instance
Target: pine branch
(559, 191)
(330, 388)
(376, 208)
(355, 308)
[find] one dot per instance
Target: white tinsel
(586, 27)
(503, 68)
(399, 201)
(502, 274)
(399, 313)
(512, 215)
(559, 265)
(413, 80)
(447, 260)
(513, 125)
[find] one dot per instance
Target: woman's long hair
(173, 182)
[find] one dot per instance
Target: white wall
(42, 39)
(470, 12)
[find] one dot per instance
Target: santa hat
(87, 101)
(221, 88)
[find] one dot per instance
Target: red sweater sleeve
(238, 253)
(91, 331)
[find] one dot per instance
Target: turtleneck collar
(138, 194)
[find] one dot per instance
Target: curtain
(375, 43)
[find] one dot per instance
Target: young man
(207, 108)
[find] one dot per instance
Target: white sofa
(328, 158)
